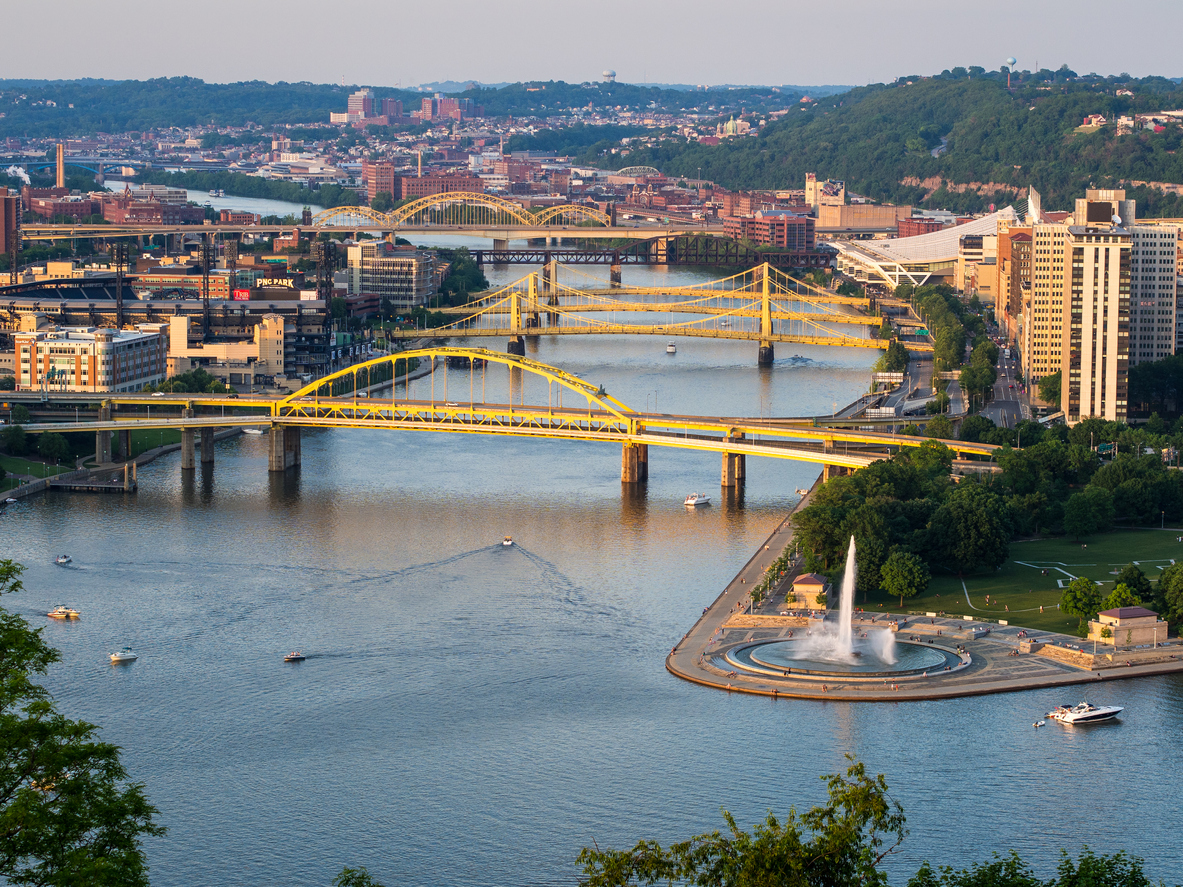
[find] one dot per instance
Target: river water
(472, 714)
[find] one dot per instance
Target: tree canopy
(67, 812)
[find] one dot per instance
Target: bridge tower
(516, 344)
(765, 355)
(550, 277)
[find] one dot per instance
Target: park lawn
(148, 439)
(1021, 585)
(17, 465)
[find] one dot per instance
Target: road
(1010, 404)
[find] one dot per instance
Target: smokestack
(61, 164)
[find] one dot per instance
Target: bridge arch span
(458, 208)
(572, 213)
(350, 217)
(638, 171)
(597, 397)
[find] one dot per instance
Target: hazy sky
(390, 42)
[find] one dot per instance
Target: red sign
(242, 295)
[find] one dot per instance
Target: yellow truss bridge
(459, 208)
(454, 402)
(763, 305)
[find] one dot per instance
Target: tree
(1049, 389)
(939, 428)
(974, 428)
(1135, 580)
(1118, 870)
(1088, 512)
(842, 842)
(1168, 597)
(904, 574)
(7, 383)
(383, 202)
(355, 878)
(53, 446)
(1121, 596)
(971, 530)
(15, 440)
(1081, 599)
(67, 813)
(337, 308)
(20, 414)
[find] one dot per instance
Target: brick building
(90, 359)
(779, 228)
(918, 225)
(125, 210)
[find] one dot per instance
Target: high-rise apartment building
(404, 276)
(1015, 245)
(362, 102)
(1039, 339)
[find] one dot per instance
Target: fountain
(838, 652)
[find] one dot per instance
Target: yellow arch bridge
(365, 396)
(762, 305)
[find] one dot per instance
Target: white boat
(801, 492)
(61, 612)
(507, 541)
(63, 559)
(124, 655)
(294, 656)
(671, 348)
(9, 501)
(695, 499)
(252, 431)
(1084, 713)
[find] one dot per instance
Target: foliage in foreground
(67, 814)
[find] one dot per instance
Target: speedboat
(61, 612)
(1084, 713)
(507, 541)
(801, 492)
(124, 655)
(63, 559)
(671, 348)
(294, 656)
(695, 499)
(252, 431)
(10, 501)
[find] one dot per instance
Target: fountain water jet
(846, 603)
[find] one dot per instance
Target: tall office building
(1039, 339)
(1153, 292)
(362, 102)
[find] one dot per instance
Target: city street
(1010, 405)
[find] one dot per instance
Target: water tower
(609, 76)
(1010, 66)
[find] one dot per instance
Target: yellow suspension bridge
(763, 304)
(575, 410)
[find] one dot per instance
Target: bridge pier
(500, 245)
(735, 467)
(102, 439)
(765, 355)
(634, 463)
(188, 435)
(614, 277)
(125, 444)
(829, 471)
(285, 448)
(207, 445)
(516, 345)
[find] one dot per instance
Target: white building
(91, 359)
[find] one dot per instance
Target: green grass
(148, 439)
(17, 465)
(1020, 584)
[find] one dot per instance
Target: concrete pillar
(126, 477)
(188, 460)
(734, 469)
(285, 448)
(500, 245)
(102, 439)
(516, 345)
(634, 463)
(207, 444)
(765, 355)
(614, 277)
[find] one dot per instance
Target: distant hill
(886, 140)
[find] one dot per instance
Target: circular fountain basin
(799, 656)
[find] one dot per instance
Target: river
(472, 714)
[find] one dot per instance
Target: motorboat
(695, 499)
(63, 559)
(801, 492)
(294, 656)
(10, 501)
(507, 541)
(1084, 713)
(124, 655)
(671, 348)
(61, 612)
(252, 431)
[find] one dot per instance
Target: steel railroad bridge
(575, 410)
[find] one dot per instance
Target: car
(1012, 387)
(451, 403)
(233, 395)
(158, 394)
